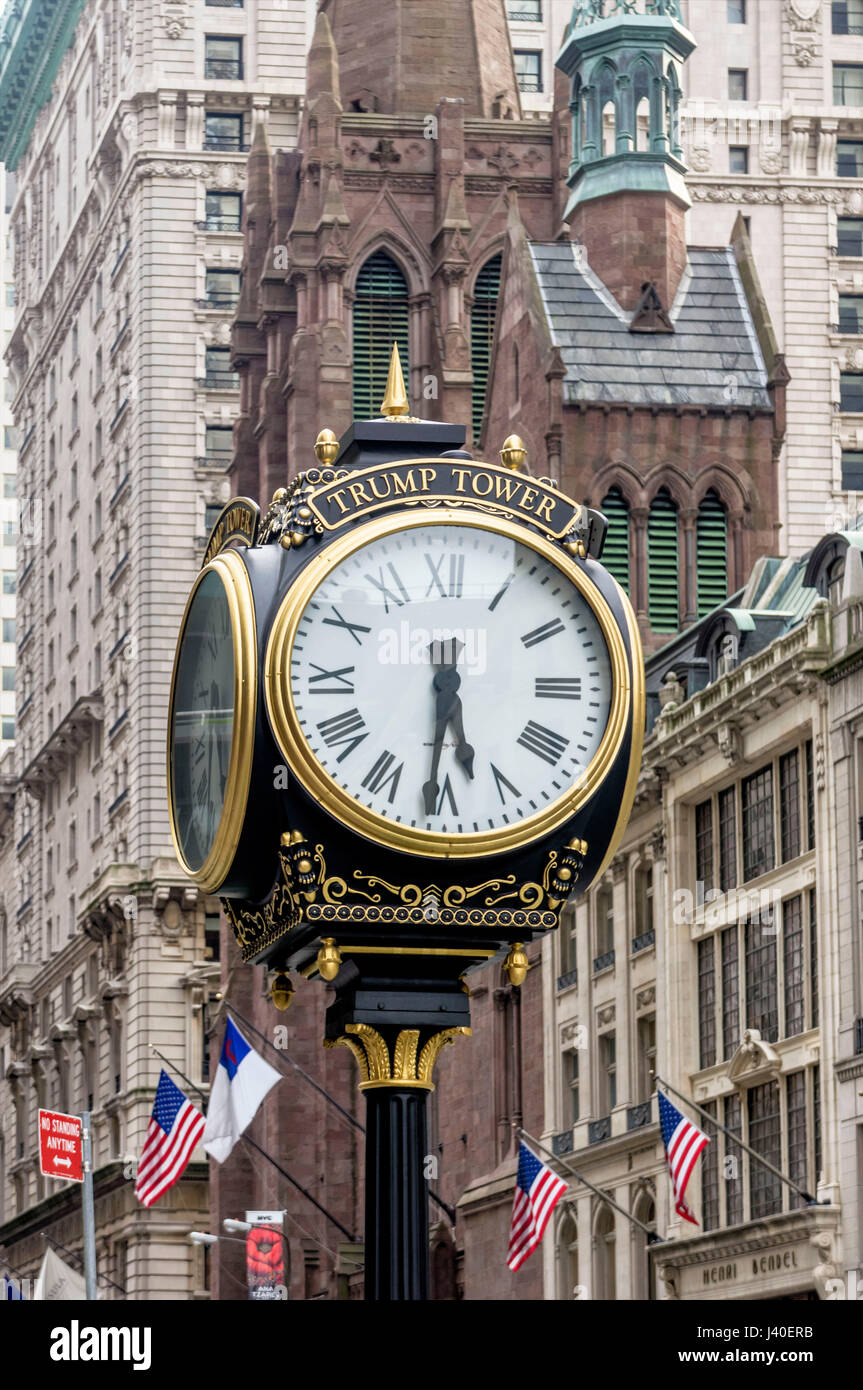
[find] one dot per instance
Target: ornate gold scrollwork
(302, 871)
(407, 1070)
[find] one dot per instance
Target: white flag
(242, 1080)
(57, 1283)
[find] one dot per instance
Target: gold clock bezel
(238, 590)
(341, 804)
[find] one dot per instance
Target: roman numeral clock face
(445, 679)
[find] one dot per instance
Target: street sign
(60, 1145)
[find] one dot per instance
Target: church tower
(628, 200)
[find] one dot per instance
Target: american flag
(537, 1192)
(683, 1143)
(174, 1129)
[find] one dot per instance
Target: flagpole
(263, 1153)
(652, 1237)
(182, 1075)
(311, 1080)
(438, 1201)
(285, 1174)
(807, 1196)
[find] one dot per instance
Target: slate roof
(712, 358)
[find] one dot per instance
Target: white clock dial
(451, 679)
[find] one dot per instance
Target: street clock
(405, 728)
(407, 708)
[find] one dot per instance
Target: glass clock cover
(451, 679)
(202, 720)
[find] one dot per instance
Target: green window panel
(615, 552)
(663, 565)
(711, 554)
(380, 319)
(482, 317)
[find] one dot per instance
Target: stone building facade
(721, 952)
(128, 126)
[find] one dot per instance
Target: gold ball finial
(282, 991)
(517, 964)
(513, 454)
(326, 448)
(329, 958)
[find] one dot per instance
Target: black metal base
(397, 1228)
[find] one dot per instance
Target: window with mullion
(710, 1171)
(793, 981)
(765, 1137)
(810, 798)
(707, 1001)
(813, 961)
(704, 844)
(789, 805)
(762, 1010)
(798, 1158)
(730, 991)
(847, 84)
(727, 805)
(734, 1169)
(757, 809)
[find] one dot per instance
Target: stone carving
(804, 17)
(826, 1269)
(729, 742)
(606, 1016)
(700, 159)
(754, 1061)
(645, 997)
(175, 17)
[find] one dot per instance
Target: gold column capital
(409, 1067)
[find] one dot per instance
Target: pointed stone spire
(322, 72)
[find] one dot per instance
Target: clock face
(450, 680)
(202, 720)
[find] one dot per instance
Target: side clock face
(447, 687)
(209, 748)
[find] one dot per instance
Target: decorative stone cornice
(33, 43)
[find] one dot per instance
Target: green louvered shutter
(482, 316)
(615, 552)
(380, 319)
(711, 554)
(662, 565)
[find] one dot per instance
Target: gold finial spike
(395, 402)
(326, 448)
(513, 454)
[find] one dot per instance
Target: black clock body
(323, 858)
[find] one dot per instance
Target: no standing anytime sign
(60, 1145)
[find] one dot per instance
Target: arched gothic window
(380, 319)
(663, 564)
(482, 316)
(615, 553)
(711, 554)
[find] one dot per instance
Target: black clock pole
(397, 1227)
